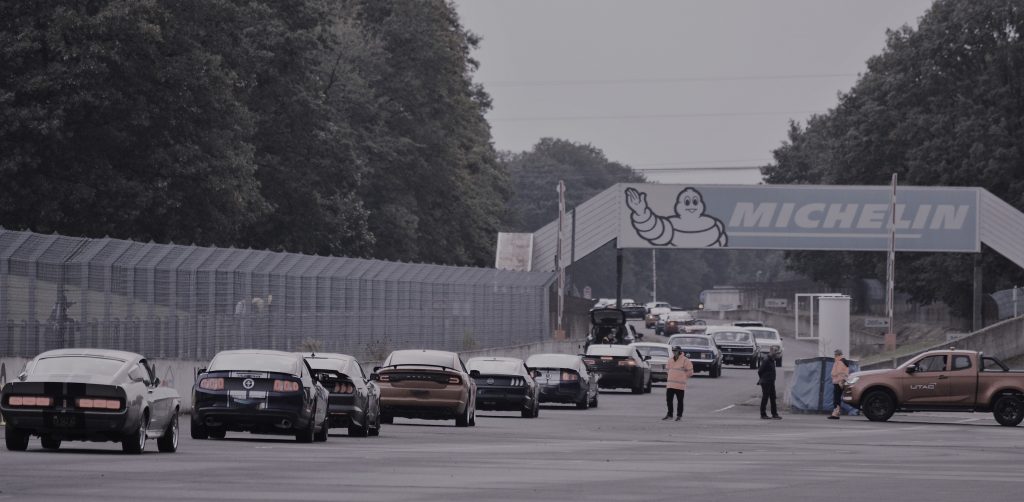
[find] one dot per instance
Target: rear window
(552, 361)
(255, 362)
(446, 359)
(763, 334)
(653, 351)
(689, 341)
(732, 336)
(609, 350)
(495, 367)
(330, 364)
(77, 365)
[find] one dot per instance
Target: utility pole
(890, 272)
(653, 275)
(559, 266)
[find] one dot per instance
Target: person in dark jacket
(766, 379)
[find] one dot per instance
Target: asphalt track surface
(621, 450)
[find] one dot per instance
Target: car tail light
(36, 401)
(344, 388)
(672, 323)
(454, 380)
(569, 376)
(286, 386)
(627, 362)
(212, 384)
(383, 378)
(93, 403)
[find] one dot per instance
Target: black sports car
(701, 350)
(505, 384)
(259, 391)
(738, 346)
(563, 378)
(634, 311)
(619, 366)
(354, 401)
(90, 395)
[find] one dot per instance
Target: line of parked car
(108, 395)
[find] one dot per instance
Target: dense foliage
(942, 105)
(321, 126)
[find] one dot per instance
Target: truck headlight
(852, 380)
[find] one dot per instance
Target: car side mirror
(647, 358)
(200, 371)
(474, 373)
(156, 382)
(911, 369)
(376, 369)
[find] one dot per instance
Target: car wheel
(135, 441)
(325, 431)
(463, 419)
(375, 430)
(168, 443)
(472, 418)
(593, 402)
(778, 362)
(584, 403)
(716, 371)
(50, 443)
(528, 412)
(16, 439)
(650, 386)
(536, 409)
(308, 434)
(1008, 410)
(359, 431)
(878, 406)
(198, 431)
(754, 363)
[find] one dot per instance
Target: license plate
(65, 421)
(420, 393)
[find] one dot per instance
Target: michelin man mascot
(689, 227)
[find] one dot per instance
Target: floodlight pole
(558, 256)
(654, 275)
(890, 266)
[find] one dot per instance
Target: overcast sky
(666, 86)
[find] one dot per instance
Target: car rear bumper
(562, 393)
(344, 415)
(617, 380)
(70, 425)
(427, 403)
(503, 398)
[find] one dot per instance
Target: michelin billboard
(848, 218)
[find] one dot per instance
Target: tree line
(346, 127)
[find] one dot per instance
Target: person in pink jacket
(680, 369)
(840, 372)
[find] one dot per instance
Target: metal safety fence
(188, 302)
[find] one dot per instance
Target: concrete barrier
(1004, 340)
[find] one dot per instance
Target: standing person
(840, 372)
(680, 369)
(766, 379)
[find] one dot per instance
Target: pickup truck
(940, 380)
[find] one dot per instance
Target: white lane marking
(726, 408)
(968, 420)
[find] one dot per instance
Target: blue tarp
(811, 388)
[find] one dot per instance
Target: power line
(668, 80)
(648, 116)
(683, 163)
(697, 168)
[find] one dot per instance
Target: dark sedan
(634, 311)
(505, 384)
(701, 350)
(259, 391)
(619, 366)
(738, 346)
(90, 395)
(563, 378)
(354, 401)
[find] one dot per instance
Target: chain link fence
(188, 302)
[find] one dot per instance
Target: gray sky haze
(668, 87)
